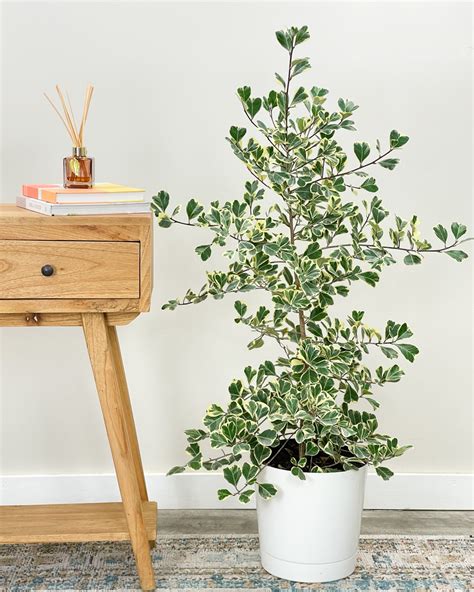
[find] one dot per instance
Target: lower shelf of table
(72, 523)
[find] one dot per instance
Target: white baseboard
(405, 491)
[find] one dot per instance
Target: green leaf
(330, 418)
(163, 220)
(397, 140)
(283, 39)
(346, 106)
(193, 209)
(161, 201)
(457, 255)
(360, 451)
(229, 431)
(253, 107)
(249, 471)
(301, 35)
(384, 472)
(241, 447)
(361, 150)
(389, 352)
(412, 259)
(267, 437)
(245, 496)
(373, 403)
(269, 368)
(300, 96)
(232, 474)
(195, 435)
(297, 472)
(260, 454)
(339, 185)
(348, 124)
(217, 439)
(408, 351)
(313, 251)
(244, 93)
(280, 79)
(311, 449)
(394, 374)
(195, 463)
(170, 305)
(223, 493)
(370, 185)
(266, 490)
(441, 233)
(214, 411)
(299, 436)
(369, 277)
(204, 251)
(240, 307)
(317, 91)
(389, 163)
(237, 133)
(176, 470)
(404, 332)
(350, 394)
(458, 229)
(256, 343)
(300, 66)
(318, 314)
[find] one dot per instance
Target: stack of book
(103, 198)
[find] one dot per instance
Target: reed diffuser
(78, 169)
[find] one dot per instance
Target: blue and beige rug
(231, 563)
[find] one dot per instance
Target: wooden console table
(94, 272)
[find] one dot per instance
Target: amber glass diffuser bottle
(78, 169)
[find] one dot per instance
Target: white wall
(165, 77)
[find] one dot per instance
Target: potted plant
(301, 430)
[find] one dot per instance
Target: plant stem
(362, 166)
(405, 249)
(302, 446)
(290, 211)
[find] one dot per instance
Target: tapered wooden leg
(106, 374)
(127, 408)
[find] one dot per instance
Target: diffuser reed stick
(78, 169)
(68, 119)
(85, 112)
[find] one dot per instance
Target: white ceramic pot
(309, 531)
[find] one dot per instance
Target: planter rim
(319, 474)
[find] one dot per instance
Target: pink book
(32, 190)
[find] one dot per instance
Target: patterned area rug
(231, 563)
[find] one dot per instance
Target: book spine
(34, 205)
(45, 195)
(30, 191)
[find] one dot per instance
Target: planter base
(307, 572)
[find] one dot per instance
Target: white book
(51, 209)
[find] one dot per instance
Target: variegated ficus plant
(310, 224)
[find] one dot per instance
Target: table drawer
(81, 269)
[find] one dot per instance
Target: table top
(20, 224)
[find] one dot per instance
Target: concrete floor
(373, 522)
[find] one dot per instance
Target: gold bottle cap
(79, 151)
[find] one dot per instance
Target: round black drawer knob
(47, 270)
